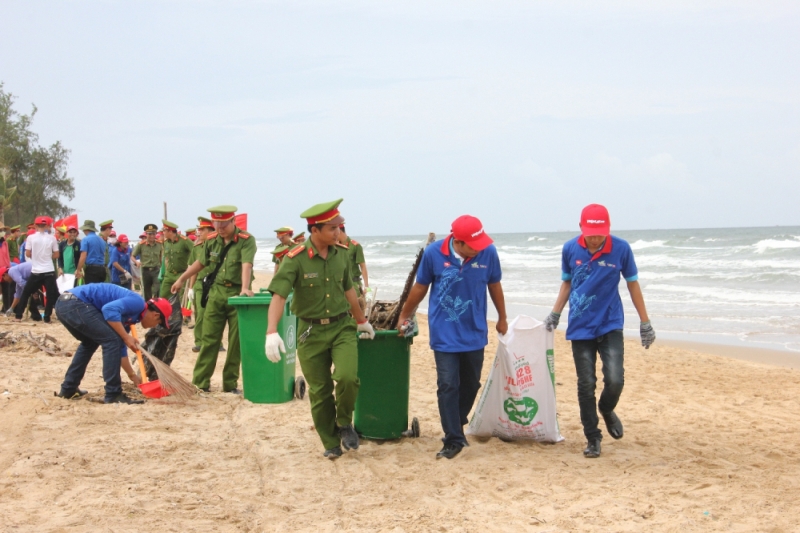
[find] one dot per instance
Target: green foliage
(34, 178)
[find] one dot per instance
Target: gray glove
(409, 327)
(648, 334)
(551, 322)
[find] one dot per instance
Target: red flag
(64, 223)
(241, 221)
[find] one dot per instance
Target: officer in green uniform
(105, 232)
(279, 253)
(24, 236)
(177, 250)
(13, 245)
(324, 298)
(234, 276)
(300, 238)
(148, 256)
(204, 228)
(284, 235)
(358, 265)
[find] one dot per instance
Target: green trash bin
(384, 369)
(262, 380)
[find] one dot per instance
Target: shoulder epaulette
(212, 235)
(354, 241)
(294, 251)
(342, 245)
(198, 243)
(182, 237)
(244, 235)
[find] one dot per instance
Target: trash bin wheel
(415, 428)
(299, 388)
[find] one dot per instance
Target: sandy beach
(711, 444)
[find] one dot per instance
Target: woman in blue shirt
(119, 261)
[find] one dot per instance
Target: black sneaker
(592, 450)
(234, 391)
(122, 398)
(205, 389)
(449, 451)
(195, 349)
(46, 320)
(221, 348)
(36, 318)
(349, 437)
(74, 395)
(333, 453)
(613, 424)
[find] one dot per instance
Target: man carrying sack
(325, 303)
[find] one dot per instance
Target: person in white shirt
(41, 249)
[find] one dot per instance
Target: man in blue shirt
(460, 268)
(101, 314)
(591, 266)
(19, 274)
(92, 264)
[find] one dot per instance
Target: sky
(675, 114)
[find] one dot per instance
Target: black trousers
(8, 294)
(94, 274)
(34, 283)
(150, 284)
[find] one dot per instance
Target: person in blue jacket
(100, 314)
(119, 262)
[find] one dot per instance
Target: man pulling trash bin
(100, 314)
(231, 252)
(319, 273)
(460, 268)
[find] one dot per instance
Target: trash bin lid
(256, 299)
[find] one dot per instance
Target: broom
(171, 381)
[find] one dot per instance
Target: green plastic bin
(384, 369)
(262, 380)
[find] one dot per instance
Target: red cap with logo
(470, 230)
(42, 220)
(162, 306)
(595, 221)
(122, 238)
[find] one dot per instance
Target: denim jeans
(611, 349)
(86, 323)
(458, 380)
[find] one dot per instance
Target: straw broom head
(170, 380)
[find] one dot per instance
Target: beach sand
(711, 444)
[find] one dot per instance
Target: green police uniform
(218, 312)
(319, 302)
(355, 254)
(176, 261)
(13, 247)
(199, 310)
(150, 257)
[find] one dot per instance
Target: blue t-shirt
(124, 260)
(117, 303)
(595, 307)
(457, 302)
(95, 248)
(22, 247)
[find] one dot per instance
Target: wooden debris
(45, 343)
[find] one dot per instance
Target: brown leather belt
(324, 321)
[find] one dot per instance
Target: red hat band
(221, 217)
(324, 217)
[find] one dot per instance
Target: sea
(736, 286)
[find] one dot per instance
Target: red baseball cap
(72, 228)
(595, 221)
(122, 238)
(162, 306)
(42, 220)
(470, 230)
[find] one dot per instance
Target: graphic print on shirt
(578, 301)
(453, 308)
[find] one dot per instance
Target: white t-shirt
(41, 246)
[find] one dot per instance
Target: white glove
(126, 276)
(274, 347)
(366, 330)
(190, 295)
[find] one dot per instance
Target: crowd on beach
(109, 284)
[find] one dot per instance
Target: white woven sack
(519, 399)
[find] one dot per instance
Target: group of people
(328, 277)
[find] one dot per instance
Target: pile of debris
(45, 343)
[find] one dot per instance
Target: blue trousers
(86, 323)
(458, 378)
(611, 349)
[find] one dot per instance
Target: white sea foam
(535, 238)
(641, 245)
(772, 244)
(734, 296)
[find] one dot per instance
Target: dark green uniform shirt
(177, 255)
(196, 255)
(319, 284)
(355, 252)
(149, 254)
(13, 249)
(243, 250)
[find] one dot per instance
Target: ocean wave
(535, 238)
(772, 244)
(641, 245)
(733, 296)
